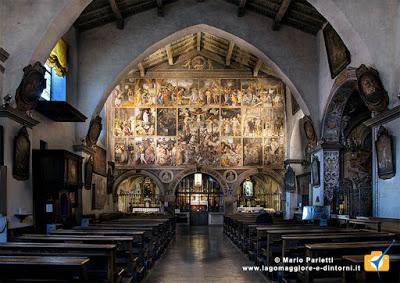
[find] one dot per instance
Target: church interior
(199, 141)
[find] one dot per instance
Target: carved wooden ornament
(93, 134)
(371, 89)
(31, 87)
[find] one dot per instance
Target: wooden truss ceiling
(296, 13)
(219, 49)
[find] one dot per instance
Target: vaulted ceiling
(296, 13)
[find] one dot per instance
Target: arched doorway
(257, 192)
(138, 194)
(198, 195)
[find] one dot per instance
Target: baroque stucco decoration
(31, 87)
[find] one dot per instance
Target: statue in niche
(31, 87)
(371, 89)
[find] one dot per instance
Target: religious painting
(145, 121)
(166, 151)
(231, 94)
(22, 153)
(198, 136)
(252, 123)
(72, 176)
(110, 176)
(124, 122)
(231, 152)
(315, 171)
(303, 184)
(309, 131)
(118, 97)
(88, 173)
(290, 179)
(100, 161)
(166, 122)
(231, 122)
(121, 154)
(252, 152)
(385, 154)
(169, 92)
(337, 52)
(146, 92)
(144, 152)
(209, 91)
(189, 94)
(250, 93)
(210, 121)
(230, 176)
(166, 176)
(274, 153)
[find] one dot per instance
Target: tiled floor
(201, 254)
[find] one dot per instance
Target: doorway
(199, 196)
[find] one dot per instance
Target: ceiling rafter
(257, 67)
(242, 8)
(281, 14)
(169, 54)
(160, 8)
(229, 53)
(117, 14)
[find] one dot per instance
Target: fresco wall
(218, 123)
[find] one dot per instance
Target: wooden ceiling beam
(141, 69)
(198, 41)
(117, 14)
(242, 8)
(160, 8)
(169, 54)
(229, 53)
(257, 67)
(280, 14)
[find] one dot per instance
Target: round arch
(212, 30)
(277, 177)
(342, 89)
(132, 173)
(213, 173)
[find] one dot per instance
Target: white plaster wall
(105, 51)
(387, 192)
(30, 29)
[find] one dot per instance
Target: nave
(202, 254)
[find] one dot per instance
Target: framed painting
(100, 161)
(88, 173)
(315, 173)
(337, 52)
(22, 153)
(303, 183)
(385, 154)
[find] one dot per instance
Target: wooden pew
(337, 250)
(102, 257)
(393, 275)
(272, 235)
(364, 222)
(43, 268)
(125, 253)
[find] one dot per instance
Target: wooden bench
(43, 268)
(125, 256)
(337, 250)
(364, 222)
(272, 235)
(393, 275)
(102, 257)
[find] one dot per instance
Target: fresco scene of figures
(213, 122)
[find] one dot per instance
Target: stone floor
(202, 254)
